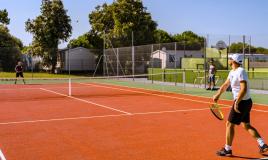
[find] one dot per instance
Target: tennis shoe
(224, 152)
(263, 149)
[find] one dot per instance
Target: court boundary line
(86, 101)
(167, 92)
(2, 157)
(159, 95)
(105, 116)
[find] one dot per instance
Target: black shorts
(19, 74)
(244, 107)
(211, 78)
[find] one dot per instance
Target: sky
(215, 19)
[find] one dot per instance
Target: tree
(4, 17)
(261, 50)
(49, 29)
(118, 20)
(188, 40)
(9, 50)
(88, 40)
(9, 45)
(161, 36)
(238, 48)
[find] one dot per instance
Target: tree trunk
(53, 60)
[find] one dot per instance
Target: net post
(164, 75)
(183, 79)
(176, 77)
(70, 87)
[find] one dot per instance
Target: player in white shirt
(240, 112)
(211, 75)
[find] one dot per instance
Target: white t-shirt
(235, 77)
(212, 70)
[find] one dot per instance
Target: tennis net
(88, 86)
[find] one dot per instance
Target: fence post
(244, 39)
(175, 57)
(104, 57)
(133, 57)
(205, 61)
(229, 51)
(117, 61)
(152, 57)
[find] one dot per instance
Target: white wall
(164, 57)
(159, 58)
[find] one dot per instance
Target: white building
(171, 58)
(81, 59)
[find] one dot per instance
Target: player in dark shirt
(19, 72)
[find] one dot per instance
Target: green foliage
(238, 48)
(9, 45)
(118, 20)
(89, 40)
(188, 40)
(262, 50)
(161, 36)
(49, 29)
(4, 17)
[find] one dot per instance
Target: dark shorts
(19, 74)
(211, 78)
(244, 107)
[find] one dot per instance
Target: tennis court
(106, 120)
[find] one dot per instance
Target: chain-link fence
(194, 53)
(65, 61)
(137, 59)
(190, 54)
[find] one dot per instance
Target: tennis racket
(216, 110)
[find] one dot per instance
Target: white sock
(228, 148)
(260, 141)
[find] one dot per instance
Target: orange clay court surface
(108, 122)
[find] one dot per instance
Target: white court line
(86, 101)
(259, 110)
(159, 95)
(104, 116)
(2, 157)
(61, 119)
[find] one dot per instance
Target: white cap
(238, 58)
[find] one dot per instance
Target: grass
(37, 75)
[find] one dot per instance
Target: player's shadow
(245, 157)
